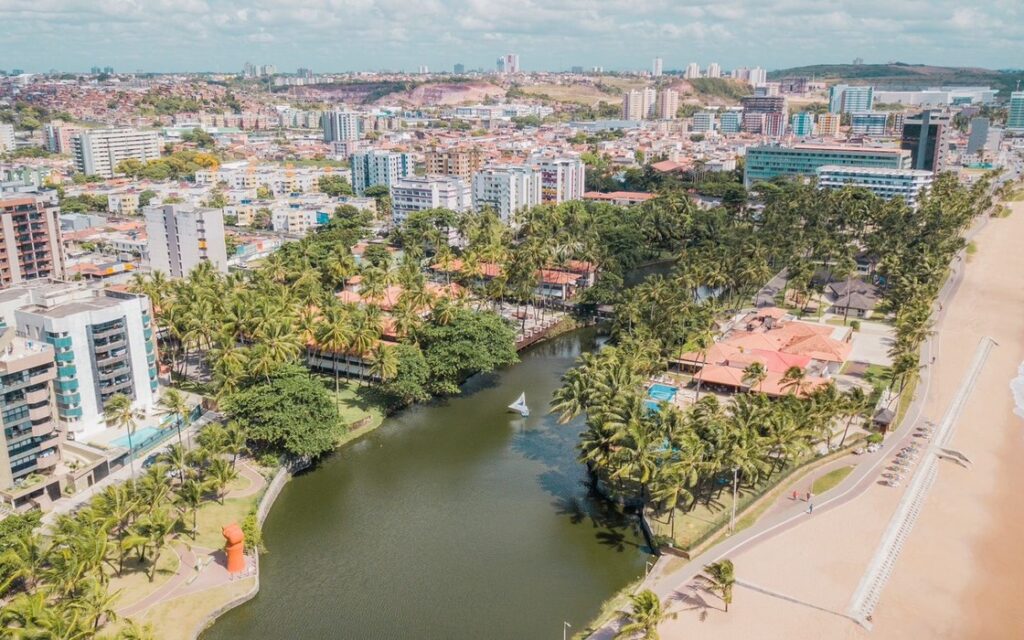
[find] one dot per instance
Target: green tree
(722, 579)
(644, 616)
(412, 375)
(290, 413)
(334, 185)
(469, 343)
(118, 411)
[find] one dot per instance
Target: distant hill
(899, 75)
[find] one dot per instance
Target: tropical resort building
(778, 343)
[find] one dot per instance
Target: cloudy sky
(341, 35)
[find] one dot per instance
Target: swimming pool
(142, 438)
(658, 393)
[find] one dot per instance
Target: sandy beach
(961, 572)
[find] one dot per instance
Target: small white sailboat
(519, 406)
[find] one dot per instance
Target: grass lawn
(357, 403)
(905, 399)
(579, 93)
(213, 517)
(830, 480)
(134, 583)
(693, 525)
(178, 619)
(878, 376)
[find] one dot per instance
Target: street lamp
(735, 478)
(565, 628)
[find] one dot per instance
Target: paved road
(860, 479)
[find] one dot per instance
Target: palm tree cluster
(56, 582)
(672, 459)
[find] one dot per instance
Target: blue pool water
(658, 393)
(141, 438)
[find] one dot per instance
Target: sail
(520, 405)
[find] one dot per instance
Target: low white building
(419, 193)
(885, 183)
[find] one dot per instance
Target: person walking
(810, 508)
(808, 496)
(794, 495)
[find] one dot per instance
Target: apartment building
(770, 161)
(99, 151)
(828, 124)
(29, 440)
(562, 179)
(103, 342)
(731, 121)
(376, 167)
(507, 189)
(843, 98)
(123, 203)
(869, 123)
(802, 124)
(30, 238)
(60, 136)
(7, 142)
(181, 237)
(703, 122)
(668, 104)
(754, 107)
(342, 125)
(1015, 112)
(456, 161)
(885, 183)
(639, 104)
(419, 193)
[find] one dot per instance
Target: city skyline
(345, 35)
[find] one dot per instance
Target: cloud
(616, 34)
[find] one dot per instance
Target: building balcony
(44, 428)
(65, 356)
(61, 343)
(112, 358)
(39, 413)
(117, 387)
(42, 376)
(39, 395)
(107, 345)
(67, 372)
(116, 330)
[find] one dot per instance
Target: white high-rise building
(508, 189)
(757, 76)
(104, 343)
(714, 70)
(419, 193)
(668, 104)
(692, 70)
(375, 167)
(639, 104)
(181, 237)
(99, 151)
(562, 179)
(656, 68)
(342, 125)
(6, 137)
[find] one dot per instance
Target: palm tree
(220, 474)
(190, 498)
(644, 616)
(234, 441)
(384, 364)
(856, 402)
(96, 604)
(174, 404)
(754, 375)
(119, 411)
(24, 562)
(335, 335)
(722, 578)
(177, 457)
(793, 380)
(135, 631)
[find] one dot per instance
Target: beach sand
(961, 572)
